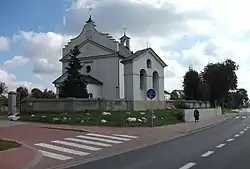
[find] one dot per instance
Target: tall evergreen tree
(74, 85)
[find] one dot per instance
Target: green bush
(180, 105)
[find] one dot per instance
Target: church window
(88, 69)
(156, 83)
(149, 63)
(143, 79)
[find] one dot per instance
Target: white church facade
(112, 71)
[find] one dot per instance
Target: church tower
(125, 40)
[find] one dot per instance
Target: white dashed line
(187, 166)
(245, 129)
(88, 142)
(207, 154)
(220, 145)
(231, 139)
(100, 139)
(66, 143)
(241, 132)
(62, 149)
(123, 135)
(243, 117)
(54, 155)
(236, 135)
(237, 117)
(109, 137)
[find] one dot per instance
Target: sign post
(151, 95)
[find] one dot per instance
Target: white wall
(204, 113)
(142, 64)
(96, 90)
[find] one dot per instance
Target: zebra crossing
(80, 145)
(242, 117)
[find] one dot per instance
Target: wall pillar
(12, 103)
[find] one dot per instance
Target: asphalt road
(226, 146)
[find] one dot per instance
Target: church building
(112, 71)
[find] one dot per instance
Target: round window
(88, 69)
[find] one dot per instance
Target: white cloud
(15, 62)
(12, 82)
(163, 23)
(4, 43)
(44, 51)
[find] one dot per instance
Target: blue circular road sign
(151, 93)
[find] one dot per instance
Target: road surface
(226, 146)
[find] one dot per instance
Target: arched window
(149, 63)
(88, 69)
(156, 83)
(143, 79)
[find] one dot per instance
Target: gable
(90, 48)
(141, 53)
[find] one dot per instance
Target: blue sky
(29, 15)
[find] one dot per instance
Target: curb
(79, 162)
(36, 159)
(66, 129)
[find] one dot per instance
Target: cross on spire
(147, 43)
(124, 31)
(90, 8)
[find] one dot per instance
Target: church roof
(88, 78)
(141, 52)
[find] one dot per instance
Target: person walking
(196, 115)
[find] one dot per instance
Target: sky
(182, 32)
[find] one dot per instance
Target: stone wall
(74, 104)
(204, 113)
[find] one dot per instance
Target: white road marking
(237, 117)
(187, 166)
(106, 136)
(54, 155)
(76, 145)
(123, 135)
(231, 139)
(220, 145)
(236, 135)
(207, 154)
(241, 132)
(100, 139)
(245, 129)
(243, 117)
(62, 149)
(88, 142)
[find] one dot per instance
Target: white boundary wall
(204, 113)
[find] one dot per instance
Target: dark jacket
(196, 113)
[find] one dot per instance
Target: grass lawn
(5, 145)
(113, 118)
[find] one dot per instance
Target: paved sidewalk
(17, 158)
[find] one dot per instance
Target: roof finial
(124, 31)
(147, 44)
(90, 7)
